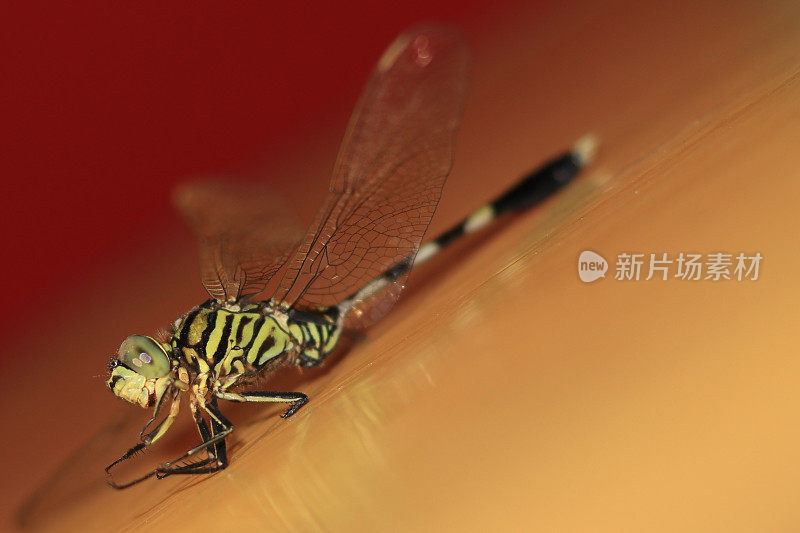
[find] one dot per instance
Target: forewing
(396, 155)
(245, 234)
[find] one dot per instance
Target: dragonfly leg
(297, 399)
(222, 428)
(156, 412)
(213, 443)
(147, 440)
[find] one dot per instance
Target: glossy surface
(503, 393)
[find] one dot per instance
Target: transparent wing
(245, 234)
(396, 155)
(372, 308)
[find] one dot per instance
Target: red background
(106, 106)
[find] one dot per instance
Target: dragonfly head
(141, 372)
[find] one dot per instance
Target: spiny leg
(220, 455)
(127, 455)
(156, 411)
(297, 399)
(202, 428)
(147, 440)
(205, 434)
(220, 450)
(220, 428)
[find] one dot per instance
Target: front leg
(216, 442)
(147, 440)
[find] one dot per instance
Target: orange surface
(503, 393)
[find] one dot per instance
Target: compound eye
(144, 356)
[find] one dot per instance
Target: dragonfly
(281, 297)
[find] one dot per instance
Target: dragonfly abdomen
(528, 192)
(317, 334)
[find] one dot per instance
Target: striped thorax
(215, 347)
